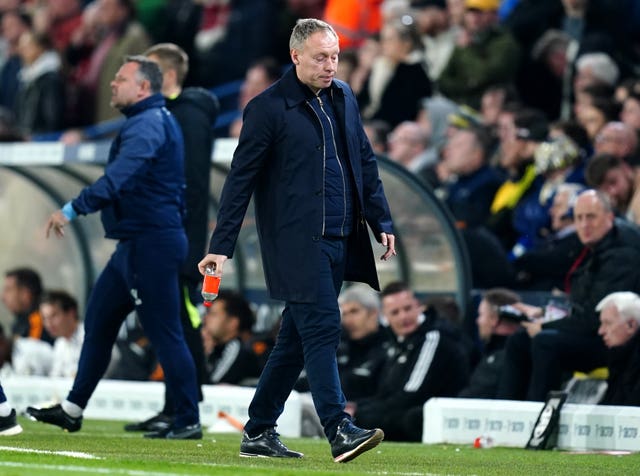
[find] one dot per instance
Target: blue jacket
(280, 157)
(142, 189)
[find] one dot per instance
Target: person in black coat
(619, 325)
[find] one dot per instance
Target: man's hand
(389, 241)
(56, 221)
(215, 261)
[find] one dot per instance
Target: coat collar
(295, 92)
(155, 100)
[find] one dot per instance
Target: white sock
(71, 409)
(5, 409)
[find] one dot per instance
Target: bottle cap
(207, 303)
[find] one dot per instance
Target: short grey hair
(147, 70)
(362, 294)
(626, 302)
(601, 65)
(305, 27)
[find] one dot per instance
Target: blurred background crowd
(508, 110)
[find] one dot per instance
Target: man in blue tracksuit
(302, 149)
(141, 196)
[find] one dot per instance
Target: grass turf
(104, 448)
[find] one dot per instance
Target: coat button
(319, 147)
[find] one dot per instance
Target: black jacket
(231, 363)
(624, 374)
(483, 382)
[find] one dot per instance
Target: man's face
(558, 211)
(402, 310)
(486, 320)
(615, 330)
(618, 185)
(357, 320)
(57, 322)
(217, 321)
(613, 139)
(14, 297)
(317, 61)
(591, 219)
(127, 88)
(461, 154)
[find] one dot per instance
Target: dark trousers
(533, 367)
(142, 274)
(309, 337)
(3, 397)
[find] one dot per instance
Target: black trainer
(351, 441)
(9, 425)
(55, 415)
(189, 432)
(157, 422)
(266, 445)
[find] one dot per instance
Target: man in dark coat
(304, 152)
(537, 356)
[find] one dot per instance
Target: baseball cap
(484, 5)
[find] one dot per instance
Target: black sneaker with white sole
(266, 445)
(9, 425)
(55, 415)
(351, 441)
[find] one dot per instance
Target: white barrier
(509, 423)
(134, 401)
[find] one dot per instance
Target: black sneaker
(351, 441)
(9, 425)
(189, 432)
(266, 445)
(157, 422)
(55, 415)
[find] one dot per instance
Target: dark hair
(500, 297)
(173, 57)
(237, 306)
(394, 287)
(270, 67)
(27, 278)
(598, 166)
(62, 299)
(147, 70)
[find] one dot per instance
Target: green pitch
(104, 448)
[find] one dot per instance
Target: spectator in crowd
(619, 324)
(471, 183)
(614, 177)
(353, 20)
(595, 114)
(13, 24)
(618, 139)
(60, 316)
(21, 295)
(433, 117)
(538, 356)
(423, 362)
(362, 349)
(141, 195)
(229, 360)
(494, 327)
(8, 423)
(630, 113)
(438, 34)
(516, 214)
(595, 69)
(378, 134)
(398, 79)
(544, 267)
(60, 18)
(407, 145)
(40, 100)
(260, 75)
(367, 54)
(118, 35)
(485, 54)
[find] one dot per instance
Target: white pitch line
(82, 469)
(71, 454)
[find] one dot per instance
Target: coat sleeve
(248, 159)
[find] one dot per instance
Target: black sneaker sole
(12, 430)
(366, 445)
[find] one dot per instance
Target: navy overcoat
(280, 157)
